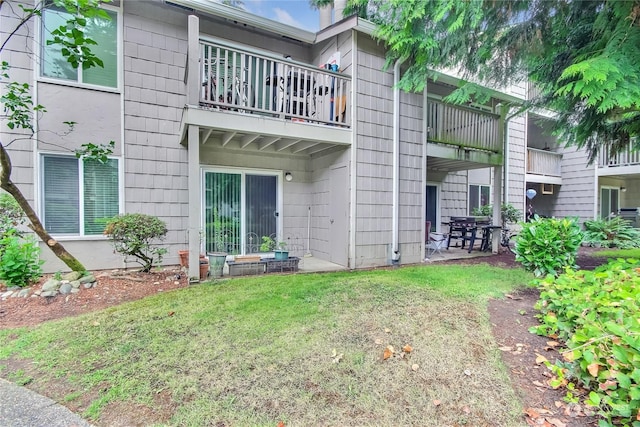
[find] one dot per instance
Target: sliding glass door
(240, 208)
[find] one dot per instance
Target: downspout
(395, 247)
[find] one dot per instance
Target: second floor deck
(625, 162)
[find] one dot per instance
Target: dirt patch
(113, 287)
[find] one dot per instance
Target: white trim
(469, 184)
(438, 186)
(608, 187)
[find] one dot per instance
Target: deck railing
(462, 126)
(239, 80)
(627, 157)
(542, 162)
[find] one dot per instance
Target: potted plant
(279, 248)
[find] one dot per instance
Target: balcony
(246, 100)
(625, 162)
(462, 138)
(544, 166)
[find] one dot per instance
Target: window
(609, 202)
(478, 196)
(102, 31)
(78, 196)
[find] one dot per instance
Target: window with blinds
(76, 206)
(240, 209)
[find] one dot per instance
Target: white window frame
(41, 202)
(469, 211)
(78, 82)
(243, 172)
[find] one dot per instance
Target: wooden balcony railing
(627, 157)
(462, 126)
(240, 80)
(542, 162)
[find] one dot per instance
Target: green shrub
(616, 232)
(11, 215)
(509, 213)
(133, 235)
(597, 314)
(548, 245)
(20, 263)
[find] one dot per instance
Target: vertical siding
(517, 146)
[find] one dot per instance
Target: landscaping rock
(23, 293)
(88, 285)
(6, 294)
(65, 288)
(75, 284)
(49, 293)
(74, 275)
(90, 278)
(51, 285)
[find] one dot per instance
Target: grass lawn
(619, 253)
(305, 349)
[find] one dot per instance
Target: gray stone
(65, 288)
(23, 293)
(90, 278)
(75, 284)
(88, 285)
(6, 294)
(74, 275)
(49, 293)
(51, 285)
(75, 290)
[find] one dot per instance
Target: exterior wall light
(288, 176)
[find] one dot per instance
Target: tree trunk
(35, 224)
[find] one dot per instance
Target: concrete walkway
(21, 407)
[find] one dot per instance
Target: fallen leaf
(387, 330)
(467, 372)
(539, 384)
(436, 402)
(281, 424)
(505, 348)
(512, 297)
(388, 352)
(466, 410)
(338, 358)
(415, 367)
(553, 343)
(556, 422)
(334, 353)
(378, 341)
(540, 359)
(532, 413)
(559, 404)
(407, 348)
(171, 313)
(593, 369)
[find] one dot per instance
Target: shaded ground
(511, 318)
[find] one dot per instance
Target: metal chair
(437, 242)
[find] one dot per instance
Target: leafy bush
(548, 245)
(133, 235)
(509, 213)
(615, 232)
(20, 263)
(598, 315)
(11, 215)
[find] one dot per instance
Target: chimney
(338, 10)
(325, 16)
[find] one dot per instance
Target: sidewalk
(21, 407)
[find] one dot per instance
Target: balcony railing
(627, 157)
(542, 162)
(248, 82)
(461, 126)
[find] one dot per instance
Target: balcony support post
(193, 146)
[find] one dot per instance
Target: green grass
(255, 351)
(619, 253)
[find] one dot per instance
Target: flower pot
(216, 262)
(204, 268)
(281, 255)
(184, 258)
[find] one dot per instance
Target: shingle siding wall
(517, 146)
(576, 194)
(156, 164)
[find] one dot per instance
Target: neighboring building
(230, 127)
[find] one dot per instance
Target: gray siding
(576, 194)
(515, 174)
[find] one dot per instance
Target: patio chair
(437, 242)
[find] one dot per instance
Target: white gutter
(395, 246)
(239, 15)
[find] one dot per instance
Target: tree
(583, 56)
(18, 109)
